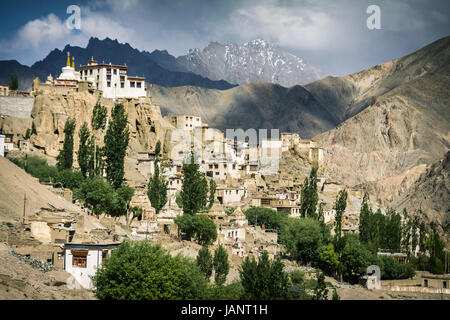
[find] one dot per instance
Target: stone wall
(19, 107)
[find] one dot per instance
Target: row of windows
(122, 84)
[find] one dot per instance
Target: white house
(83, 260)
(113, 80)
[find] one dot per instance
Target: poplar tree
(157, 187)
(212, 193)
(221, 265)
(116, 143)
(205, 262)
(84, 152)
(194, 189)
(309, 195)
(364, 220)
(341, 204)
(65, 157)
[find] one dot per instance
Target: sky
(331, 35)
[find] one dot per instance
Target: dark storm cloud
(332, 35)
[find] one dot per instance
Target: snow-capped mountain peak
(256, 60)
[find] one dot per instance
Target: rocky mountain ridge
(256, 60)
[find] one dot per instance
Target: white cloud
(300, 29)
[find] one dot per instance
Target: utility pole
(24, 206)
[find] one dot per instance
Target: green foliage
(212, 192)
(65, 157)
(297, 277)
(120, 206)
(194, 189)
(264, 279)
(233, 291)
(116, 142)
(355, 257)
(37, 167)
(96, 194)
(341, 204)
(328, 259)
(302, 238)
(221, 266)
(383, 231)
(270, 218)
(14, 83)
(309, 196)
(435, 246)
(69, 179)
(320, 291)
(201, 228)
(85, 151)
(422, 237)
(98, 120)
(392, 269)
(335, 295)
(157, 187)
(27, 134)
(143, 271)
(230, 210)
(205, 262)
(364, 219)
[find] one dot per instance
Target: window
(425, 283)
(132, 84)
(108, 84)
(79, 258)
(444, 284)
(104, 254)
(122, 85)
(139, 84)
(90, 71)
(115, 71)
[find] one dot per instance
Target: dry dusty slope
(15, 183)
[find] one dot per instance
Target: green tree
(120, 205)
(414, 235)
(328, 259)
(341, 204)
(320, 291)
(264, 279)
(335, 295)
(157, 187)
(435, 246)
(14, 83)
(309, 195)
(302, 239)
(96, 194)
(212, 193)
(69, 179)
(65, 156)
(201, 228)
(268, 217)
(422, 237)
(355, 257)
(99, 113)
(221, 265)
(392, 233)
(85, 151)
(38, 168)
(364, 219)
(205, 230)
(116, 143)
(143, 271)
(205, 262)
(406, 233)
(194, 189)
(27, 134)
